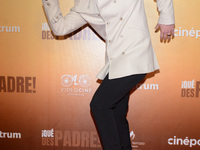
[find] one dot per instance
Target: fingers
(173, 34)
(166, 32)
(168, 37)
(165, 36)
(157, 26)
(161, 35)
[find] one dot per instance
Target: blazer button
(121, 18)
(123, 53)
(48, 4)
(114, 1)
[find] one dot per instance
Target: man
(129, 55)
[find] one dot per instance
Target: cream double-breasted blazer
(121, 23)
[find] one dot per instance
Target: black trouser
(109, 108)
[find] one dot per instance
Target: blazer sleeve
(166, 9)
(61, 25)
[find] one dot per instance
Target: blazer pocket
(134, 40)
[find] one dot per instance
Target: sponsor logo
(17, 84)
(79, 139)
(75, 85)
(147, 86)
(188, 33)
(10, 135)
(10, 29)
(84, 34)
(136, 145)
(187, 142)
(190, 88)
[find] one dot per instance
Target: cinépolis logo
(83, 34)
(184, 142)
(187, 33)
(18, 84)
(190, 88)
(78, 139)
(10, 135)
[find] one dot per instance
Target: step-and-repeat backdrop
(47, 82)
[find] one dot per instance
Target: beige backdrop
(40, 111)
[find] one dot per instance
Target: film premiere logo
(75, 85)
(190, 88)
(136, 145)
(78, 139)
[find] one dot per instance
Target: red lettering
(28, 84)
(2, 84)
(11, 84)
